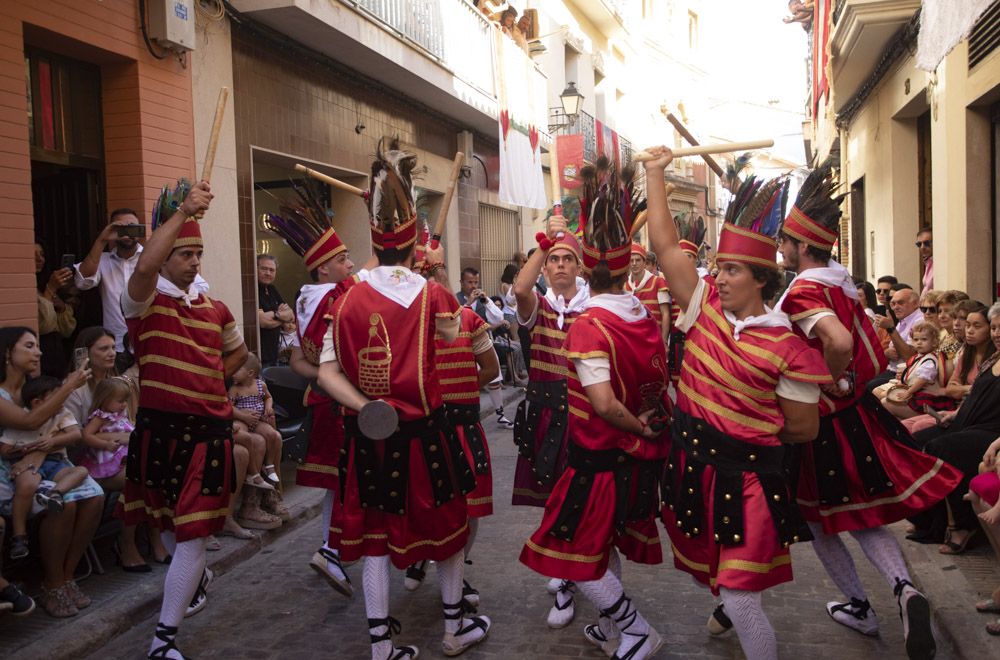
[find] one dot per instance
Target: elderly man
(926, 247)
(272, 311)
(905, 307)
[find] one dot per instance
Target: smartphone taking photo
(132, 231)
(67, 261)
(81, 357)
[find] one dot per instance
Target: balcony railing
(420, 22)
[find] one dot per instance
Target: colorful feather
(301, 220)
(606, 207)
(391, 197)
(169, 201)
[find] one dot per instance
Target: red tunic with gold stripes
(607, 495)
(651, 292)
(540, 426)
(326, 436)
(402, 496)
(179, 467)
(728, 507)
(863, 470)
(459, 377)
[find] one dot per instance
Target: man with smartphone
(111, 269)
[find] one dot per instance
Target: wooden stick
(686, 134)
(456, 171)
(213, 139)
(555, 180)
(640, 221)
(720, 148)
(326, 178)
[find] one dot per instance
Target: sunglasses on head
(926, 243)
(929, 310)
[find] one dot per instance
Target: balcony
(862, 30)
(585, 125)
(439, 52)
(607, 15)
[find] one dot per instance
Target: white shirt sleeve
(482, 343)
(133, 309)
(663, 297)
(530, 321)
(688, 316)
(231, 338)
(927, 369)
(794, 390)
(494, 315)
(593, 370)
(329, 353)
(87, 283)
(808, 324)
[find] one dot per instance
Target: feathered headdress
(815, 216)
(752, 222)
(606, 216)
(691, 232)
(391, 201)
(166, 206)
(731, 181)
(306, 225)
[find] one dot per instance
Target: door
(859, 261)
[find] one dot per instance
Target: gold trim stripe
(579, 413)
(721, 411)
(756, 351)
(456, 381)
(179, 364)
(810, 312)
(477, 501)
(648, 540)
(316, 467)
(754, 566)
(748, 400)
(729, 352)
(563, 556)
(180, 340)
(198, 516)
(183, 391)
(715, 368)
(527, 492)
(432, 542)
(894, 499)
(190, 323)
(547, 367)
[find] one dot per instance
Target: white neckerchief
(645, 278)
(168, 288)
(310, 296)
(398, 284)
(833, 275)
(769, 319)
(623, 305)
(561, 307)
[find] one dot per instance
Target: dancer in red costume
(305, 226)
(863, 471)
(650, 289)
(691, 234)
(180, 458)
(748, 385)
(540, 426)
(402, 498)
(605, 501)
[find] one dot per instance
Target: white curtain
(944, 23)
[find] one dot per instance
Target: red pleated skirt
(195, 515)
(423, 531)
(919, 481)
(528, 491)
(586, 556)
(759, 562)
(480, 500)
(319, 469)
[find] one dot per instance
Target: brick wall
(148, 130)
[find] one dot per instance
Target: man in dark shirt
(471, 292)
(272, 311)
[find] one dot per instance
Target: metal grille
(418, 21)
(498, 242)
(985, 35)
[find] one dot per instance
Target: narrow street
(275, 606)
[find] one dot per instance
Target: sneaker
(915, 612)
(326, 562)
(253, 517)
(272, 503)
(57, 604)
(474, 631)
(19, 547)
(200, 599)
(502, 420)
(596, 636)
(15, 601)
(857, 615)
(415, 575)
(718, 622)
(470, 595)
(79, 599)
(563, 609)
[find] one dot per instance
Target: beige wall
(212, 68)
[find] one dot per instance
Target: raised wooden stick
(640, 221)
(326, 178)
(686, 134)
(555, 180)
(213, 138)
(720, 148)
(456, 171)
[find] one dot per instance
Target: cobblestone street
(274, 606)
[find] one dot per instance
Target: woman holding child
(63, 534)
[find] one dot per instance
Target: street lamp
(571, 99)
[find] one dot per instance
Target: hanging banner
(521, 181)
(569, 151)
(607, 142)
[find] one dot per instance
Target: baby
(923, 377)
(40, 454)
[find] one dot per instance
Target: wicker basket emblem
(375, 359)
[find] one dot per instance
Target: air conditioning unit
(170, 23)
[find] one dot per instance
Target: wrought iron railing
(417, 20)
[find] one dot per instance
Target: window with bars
(498, 230)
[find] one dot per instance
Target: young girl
(923, 378)
(254, 408)
(108, 427)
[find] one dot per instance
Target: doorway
(859, 259)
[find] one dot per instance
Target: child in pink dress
(108, 428)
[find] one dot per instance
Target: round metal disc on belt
(377, 420)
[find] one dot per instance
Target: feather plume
(606, 208)
(169, 201)
(300, 220)
(391, 196)
(733, 170)
(759, 205)
(690, 228)
(817, 200)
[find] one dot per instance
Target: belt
(467, 416)
(540, 395)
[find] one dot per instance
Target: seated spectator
(928, 305)
(866, 295)
(12, 599)
(905, 314)
(984, 494)
(63, 535)
(883, 290)
(922, 381)
(56, 322)
(950, 343)
(43, 469)
(507, 346)
(109, 426)
(962, 437)
(507, 282)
